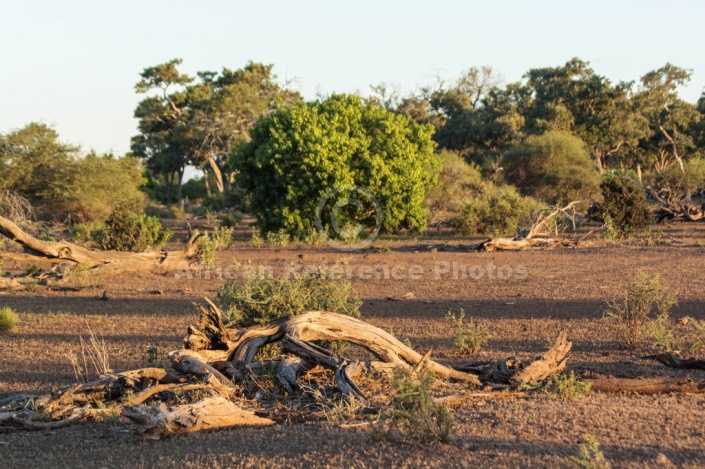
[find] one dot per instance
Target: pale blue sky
(73, 64)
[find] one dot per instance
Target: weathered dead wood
(647, 385)
(518, 244)
(539, 236)
(239, 346)
(674, 206)
(125, 261)
(674, 360)
(210, 413)
(159, 388)
(190, 363)
(550, 362)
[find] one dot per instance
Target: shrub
(125, 230)
(470, 335)
(458, 183)
(589, 455)
(261, 299)
(624, 208)
(8, 319)
(220, 239)
(298, 154)
(499, 210)
(413, 415)
(554, 167)
(568, 387)
(644, 310)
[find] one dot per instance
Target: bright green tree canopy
(298, 154)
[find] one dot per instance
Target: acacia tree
(671, 119)
(573, 98)
(298, 154)
(163, 142)
(199, 121)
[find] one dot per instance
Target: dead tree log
(214, 342)
(674, 206)
(207, 414)
(539, 236)
(674, 360)
(126, 261)
(647, 386)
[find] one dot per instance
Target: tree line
(553, 136)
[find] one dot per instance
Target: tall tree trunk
(180, 184)
(206, 182)
(217, 173)
(638, 172)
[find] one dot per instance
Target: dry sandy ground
(545, 293)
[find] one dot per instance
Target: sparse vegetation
(412, 414)
(643, 311)
(589, 455)
(8, 319)
(470, 334)
(567, 386)
(260, 299)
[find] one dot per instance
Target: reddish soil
(548, 291)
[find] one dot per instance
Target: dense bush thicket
(299, 154)
(624, 206)
(554, 167)
(458, 183)
(61, 183)
(262, 298)
(498, 210)
(125, 230)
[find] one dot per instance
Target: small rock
(662, 460)
(104, 296)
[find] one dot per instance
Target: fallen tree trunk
(207, 414)
(540, 236)
(674, 360)
(675, 208)
(647, 385)
(125, 261)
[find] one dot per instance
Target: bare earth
(560, 289)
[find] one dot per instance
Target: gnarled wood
(210, 413)
(551, 362)
(126, 261)
(674, 360)
(239, 346)
(647, 386)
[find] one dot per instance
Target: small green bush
(219, 240)
(125, 230)
(500, 210)
(8, 319)
(624, 208)
(413, 415)
(567, 386)
(589, 455)
(470, 335)
(261, 299)
(643, 312)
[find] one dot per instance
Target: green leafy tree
(31, 158)
(623, 207)
(200, 121)
(573, 98)
(298, 154)
(60, 182)
(554, 167)
(91, 187)
(672, 121)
